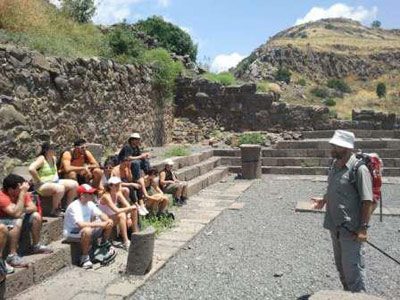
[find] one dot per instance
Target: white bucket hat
(114, 180)
(343, 138)
(169, 162)
(135, 136)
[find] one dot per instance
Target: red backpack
(375, 166)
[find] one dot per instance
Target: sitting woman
(47, 183)
(171, 185)
(123, 171)
(110, 163)
(117, 208)
(156, 201)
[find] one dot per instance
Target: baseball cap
(114, 180)
(85, 189)
(343, 138)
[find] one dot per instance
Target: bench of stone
(76, 252)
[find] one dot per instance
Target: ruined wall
(43, 98)
(241, 108)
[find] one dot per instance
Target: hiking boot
(86, 264)
(9, 268)
(41, 249)
(15, 261)
(178, 202)
(184, 200)
(126, 245)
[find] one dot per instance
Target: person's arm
(66, 163)
(92, 161)
(164, 182)
(106, 221)
(319, 202)
(37, 164)
(17, 210)
(30, 207)
(125, 203)
(133, 184)
(157, 188)
(145, 194)
(364, 187)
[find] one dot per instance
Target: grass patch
(251, 138)
(224, 78)
(177, 151)
(160, 224)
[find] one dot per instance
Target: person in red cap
(84, 220)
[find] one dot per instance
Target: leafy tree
(381, 90)
(123, 43)
(81, 11)
(376, 24)
(283, 74)
(169, 36)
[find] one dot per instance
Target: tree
(283, 74)
(169, 36)
(81, 11)
(381, 90)
(376, 24)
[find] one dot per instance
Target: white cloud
(113, 11)
(163, 3)
(224, 62)
(339, 10)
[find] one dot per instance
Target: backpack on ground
(103, 253)
(375, 166)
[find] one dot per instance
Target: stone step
(197, 184)
(323, 153)
(183, 161)
(325, 134)
(298, 170)
(227, 152)
(41, 266)
(190, 172)
(301, 161)
(324, 144)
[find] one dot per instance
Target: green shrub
(376, 24)
(262, 87)
(381, 90)
(329, 102)
(177, 151)
(251, 138)
(329, 26)
(167, 71)
(303, 35)
(339, 85)
(169, 36)
(283, 74)
(320, 92)
(81, 11)
(225, 78)
(302, 82)
(332, 114)
(159, 224)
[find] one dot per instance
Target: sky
(226, 31)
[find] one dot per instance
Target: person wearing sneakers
(171, 185)
(139, 161)
(85, 221)
(117, 208)
(348, 210)
(47, 183)
(17, 211)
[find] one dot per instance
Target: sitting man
(81, 221)
(138, 159)
(171, 185)
(16, 209)
(79, 164)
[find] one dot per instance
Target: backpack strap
(354, 171)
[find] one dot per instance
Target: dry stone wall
(47, 98)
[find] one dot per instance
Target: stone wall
(43, 98)
(241, 108)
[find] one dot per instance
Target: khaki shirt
(345, 197)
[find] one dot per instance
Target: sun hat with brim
(134, 136)
(85, 189)
(343, 138)
(114, 180)
(169, 162)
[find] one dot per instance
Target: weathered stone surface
(140, 255)
(251, 161)
(334, 295)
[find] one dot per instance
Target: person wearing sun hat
(81, 221)
(171, 185)
(348, 210)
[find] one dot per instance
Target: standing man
(348, 210)
(133, 153)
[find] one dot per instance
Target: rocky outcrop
(48, 98)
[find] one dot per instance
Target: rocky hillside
(326, 48)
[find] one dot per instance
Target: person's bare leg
(97, 174)
(36, 226)
(56, 191)
(71, 175)
(121, 221)
(125, 192)
(163, 205)
(13, 236)
(178, 193)
(86, 240)
(135, 218)
(3, 238)
(70, 189)
(184, 189)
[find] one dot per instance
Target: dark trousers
(136, 165)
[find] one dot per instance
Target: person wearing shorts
(83, 220)
(170, 184)
(47, 183)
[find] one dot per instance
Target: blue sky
(228, 30)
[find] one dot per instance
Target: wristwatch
(364, 226)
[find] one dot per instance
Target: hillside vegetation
(332, 62)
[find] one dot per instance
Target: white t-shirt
(78, 212)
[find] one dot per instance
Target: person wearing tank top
(46, 181)
(170, 184)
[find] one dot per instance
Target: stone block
(49, 264)
(140, 256)
(251, 161)
(19, 281)
(96, 150)
(22, 171)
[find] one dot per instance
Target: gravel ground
(268, 251)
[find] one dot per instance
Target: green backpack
(103, 253)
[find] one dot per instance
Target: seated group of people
(97, 199)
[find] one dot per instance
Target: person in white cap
(348, 210)
(171, 185)
(81, 221)
(132, 152)
(117, 208)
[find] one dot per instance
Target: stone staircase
(311, 156)
(199, 170)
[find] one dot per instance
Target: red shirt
(5, 201)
